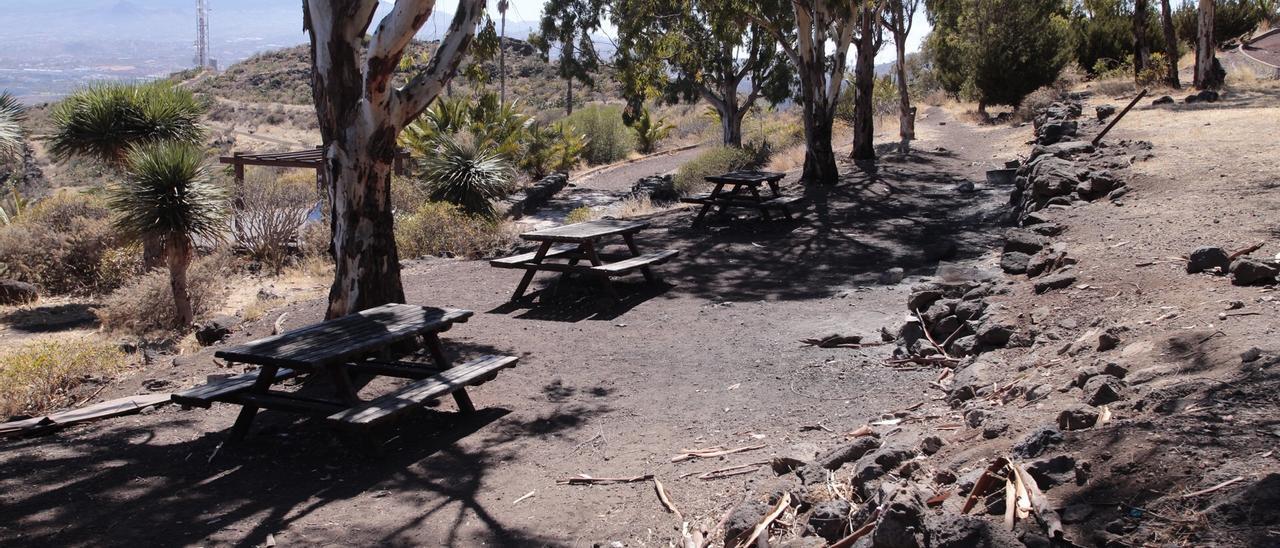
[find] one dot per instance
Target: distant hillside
(284, 76)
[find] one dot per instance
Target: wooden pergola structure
(312, 158)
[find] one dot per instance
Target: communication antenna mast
(202, 59)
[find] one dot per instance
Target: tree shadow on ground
(51, 318)
(910, 215)
(576, 300)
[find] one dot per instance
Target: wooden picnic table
(344, 350)
(742, 189)
(581, 241)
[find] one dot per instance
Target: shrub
(61, 243)
(39, 377)
(549, 148)
(439, 229)
(691, 176)
(271, 210)
(608, 139)
(649, 132)
(142, 307)
(581, 214)
(466, 174)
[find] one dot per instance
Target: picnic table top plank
(339, 340)
(746, 177)
(581, 232)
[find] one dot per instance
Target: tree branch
(408, 102)
(393, 35)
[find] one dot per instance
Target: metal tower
(202, 59)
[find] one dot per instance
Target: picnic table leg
(266, 376)
(590, 248)
(635, 252)
(764, 211)
(706, 208)
(531, 271)
(437, 355)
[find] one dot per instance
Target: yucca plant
(105, 121)
(650, 132)
(11, 117)
(470, 175)
(168, 195)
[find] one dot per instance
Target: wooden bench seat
(417, 393)
(635, 263)
(518, 261)
(205, 394)
(782, 201)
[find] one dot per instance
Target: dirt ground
(713, 359)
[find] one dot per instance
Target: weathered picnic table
(742, 189)
(344, 350)
(581, 241)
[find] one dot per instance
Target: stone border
(531, 197)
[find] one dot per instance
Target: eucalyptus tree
(869, 38)
(1206, 58)
(569, 25)
(898, 18)
(1141, 49)
(360, 114)
(699, 49)
(815, 35)
(1170, 45)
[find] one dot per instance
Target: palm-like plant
(464, 173)
(105, 121)
(11, 116)
(168, 195)
(649, 131)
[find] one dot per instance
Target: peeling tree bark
(1170, 44)
(864, 82)
(360, 115)
(178, 255)
(1141, 51)
(1205, 46)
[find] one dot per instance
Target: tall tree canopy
(360, 114)
(699, 49)
(998, 51)
(569, 25)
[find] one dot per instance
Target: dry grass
(787, 159)
(146, 305)
(635, 206)
(40, 376)
(581, 214)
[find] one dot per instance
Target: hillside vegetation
(284, 76)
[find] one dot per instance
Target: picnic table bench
(581, 241)
(344, 350)
(742, 189)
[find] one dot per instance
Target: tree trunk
(360, 114)
(906, 114)
(153, 255)
(178, 254)
(1170, 44)
(819, 157)
(731, 125)
(568, 80)
(864, 83)
(1141, 51)
(502, 54)
(1205, 46)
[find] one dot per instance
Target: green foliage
(607, 137)
(39, 377)
(998, 51)
(133, 308)
(1106, 69)
(884, 99)
(691, 176)
(490, 124)
(67, 245)
(466, 173)
(649, 132)
(439, 229)
(551, 148)
(581, 214)
(569, 25)
(11, 117)
(168, 192)
(104, 121)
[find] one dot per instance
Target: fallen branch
(864, 430)
(732, 471)
(839, 341)
(526, 495)
(690, 454)
(1206, 491)
(278, 326)
(984, 483)
(666, 502)
(927, 335)
(1045, 514)
(763, 526)
(922, 360)
(863, 531)
(1237, 254)
(584, 479)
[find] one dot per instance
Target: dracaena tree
(699, 49)
(361, 112)
(815, 35)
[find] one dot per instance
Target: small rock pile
(1063, 170)
(1029, 251)
(957, 318)
(1244, 270)
(659, 188)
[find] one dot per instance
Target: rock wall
(533, 196)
